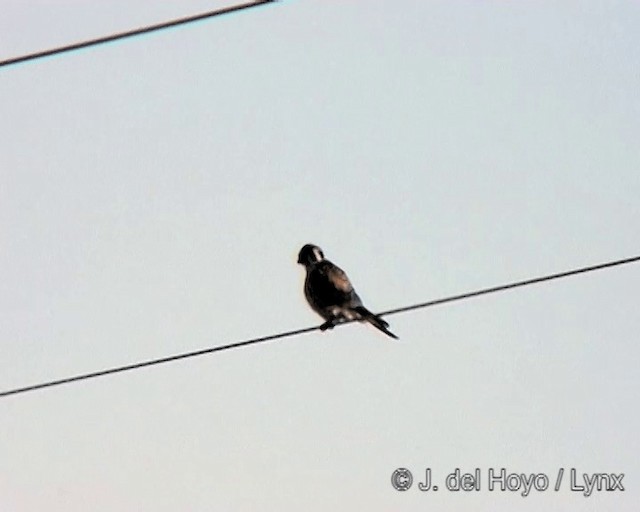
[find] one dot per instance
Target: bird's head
(310, 254)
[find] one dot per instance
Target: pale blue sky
(155, 193)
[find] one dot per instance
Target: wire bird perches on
(131, 33)
(452, 298)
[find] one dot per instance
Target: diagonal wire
(133, 32)
(153, 362)
(288, 334)
(509, 286)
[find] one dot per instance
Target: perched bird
(330, 293)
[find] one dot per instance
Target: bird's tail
(375, 320)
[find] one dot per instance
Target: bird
(330, 293)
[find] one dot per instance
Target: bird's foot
(329, 324)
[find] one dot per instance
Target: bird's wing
(327, 286)
(337, 277)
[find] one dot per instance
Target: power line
(515, 284)
(185, 355)
(152, 362)
(131, 33)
